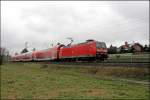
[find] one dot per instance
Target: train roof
(87, 41)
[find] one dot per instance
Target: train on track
(88, 50)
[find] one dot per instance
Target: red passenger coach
(42, 54)
(27, 56)
(23, 57)
(15, 58)
(47, 54)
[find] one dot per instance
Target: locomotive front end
(101, 50)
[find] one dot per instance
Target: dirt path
(135, 81)
(121, 79)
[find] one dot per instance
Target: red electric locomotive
(90, 49)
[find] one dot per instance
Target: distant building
(134, 47)
(137, 47)
(112, 49)
(125, 48)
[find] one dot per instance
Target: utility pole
(26, 44)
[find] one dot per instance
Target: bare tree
(4, 55)
(25, 49)
(2, 50)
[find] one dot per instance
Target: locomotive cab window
(100, 45)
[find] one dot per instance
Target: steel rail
(98, 64)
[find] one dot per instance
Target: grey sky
(44, 22)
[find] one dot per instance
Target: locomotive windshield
(100, 45)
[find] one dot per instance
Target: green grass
(129, 57)
(37, 81)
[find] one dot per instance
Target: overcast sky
(42, 23)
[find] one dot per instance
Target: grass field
(128, 57)
(38, 81)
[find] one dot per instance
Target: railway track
(103, 64)
(95, 63)
(98, 64)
